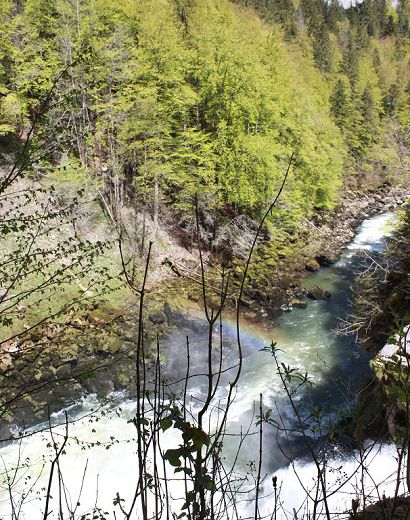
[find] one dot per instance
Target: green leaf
(173, 457)
(207, 483)
(165, 423)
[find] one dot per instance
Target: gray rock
(312, 265)
(285, 308)
(317, 293)
(325, 260)
(6, 363)
(110, 347)
(63, 370)
(20, 364)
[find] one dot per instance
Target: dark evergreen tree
(349, 65)
(322, 50)
(369, 117)
(282, 12)
(314, 15)
(389, 27)
(403, 12)
(339, 103)
(391, 100)
(334, 14)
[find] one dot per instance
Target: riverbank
(275, 284)
(381, 321)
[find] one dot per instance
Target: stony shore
(320, 243)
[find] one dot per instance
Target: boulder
(256, 295)
(317, 293)
(127, 346)
(6, 362)
(312, 265)
(298, 304)
(110, 346)
(285, 308)
(63, 371)
(21, 363)
(325, 260)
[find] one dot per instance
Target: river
(100, 456)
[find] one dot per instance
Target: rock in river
(317, 293)
(325, 260)
(298, 304)
(312, 265)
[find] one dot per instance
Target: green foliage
(163, 102)
(12, 113)
(37, 59)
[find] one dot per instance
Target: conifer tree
(369, 117)
(322, 50)
(391, 100)
(403, 23)
(340, 103)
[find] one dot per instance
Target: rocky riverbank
(87, 354)
(275, 286)
(382, 317)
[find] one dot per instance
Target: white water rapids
(100, 457)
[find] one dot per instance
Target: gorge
(102, 438)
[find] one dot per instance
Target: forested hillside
(152, 105)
